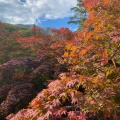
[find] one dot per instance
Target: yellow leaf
(48, 98)
(95, 80)
(68, 46)
(63, 99)
(97, 37)
(73, 48)
(109, 72)
(66, 54)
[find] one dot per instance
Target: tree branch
(115, 51)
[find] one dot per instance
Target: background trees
(10, 48)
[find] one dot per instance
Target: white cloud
(27, 11)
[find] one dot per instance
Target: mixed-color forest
(63, 75)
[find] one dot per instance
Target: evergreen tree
(79, 15)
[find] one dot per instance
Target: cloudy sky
(45, 13)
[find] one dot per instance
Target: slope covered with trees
(89, 86)
(9, 47)
(29, 58)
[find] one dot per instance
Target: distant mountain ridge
(46, 30)
(25, 25)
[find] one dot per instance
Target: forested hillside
(9, 47)
(29, 60)
(64, 75)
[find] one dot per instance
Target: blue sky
(58, 23)
(56, 13)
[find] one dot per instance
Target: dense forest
(63, 75)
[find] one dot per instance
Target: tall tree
(79, 15)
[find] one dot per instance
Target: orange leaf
(82, 52)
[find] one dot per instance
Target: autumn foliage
(91, 87)
(45, 44)
(9, 47)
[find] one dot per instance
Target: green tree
(79, 15)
